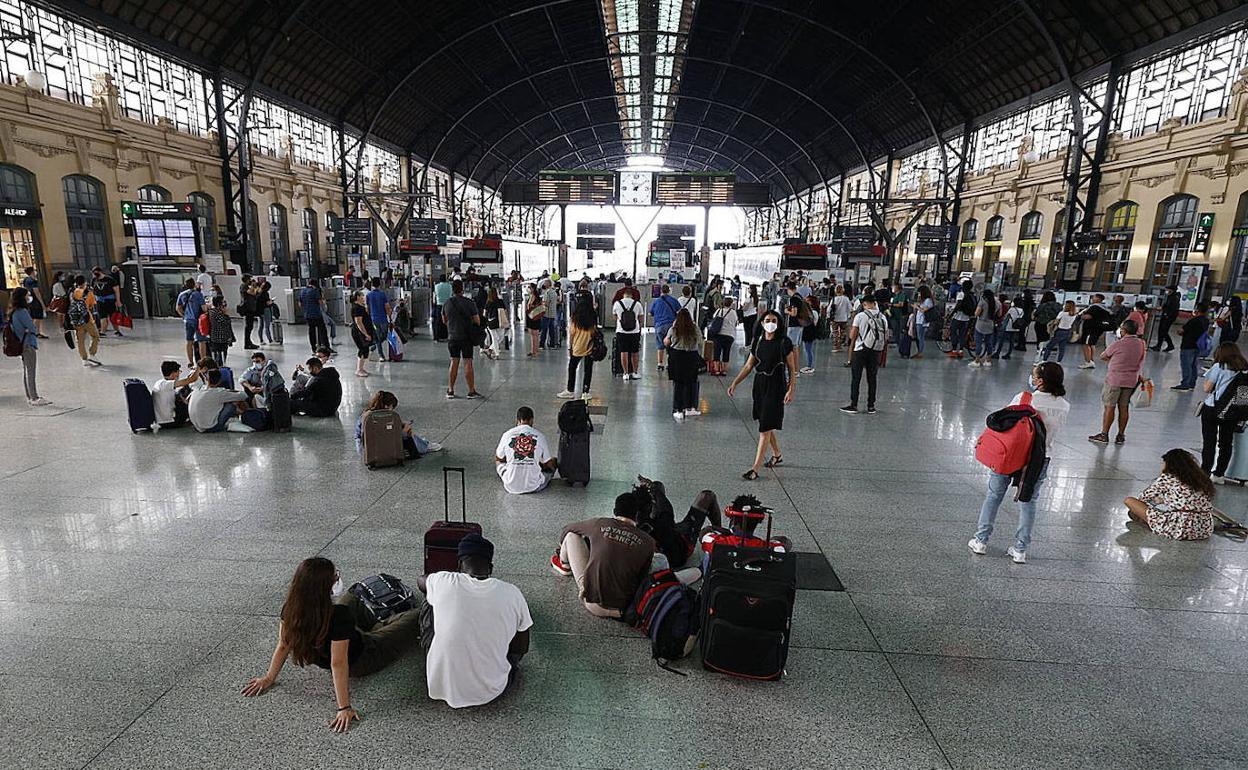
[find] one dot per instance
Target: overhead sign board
(595, 228)
(1204, 228)
(590, 243)
(131, 210)
(694, 189)
(595, 188)
(852, 240)
(934, 239)
(356, 231)
(427, 232)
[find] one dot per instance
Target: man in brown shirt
(608, 557)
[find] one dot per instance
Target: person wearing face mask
(1047, 399)
(773, 359)
(325, 625)
(1126, 361)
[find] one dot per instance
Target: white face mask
(770, 327)
(1031, 382)
(337, 589)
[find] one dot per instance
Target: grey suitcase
(382, 433)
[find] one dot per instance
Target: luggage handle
(446, 493)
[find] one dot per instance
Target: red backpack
(205, 325)
(1007, 452)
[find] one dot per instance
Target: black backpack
(628, 318)
(384, 595)
(667, 612)
(598, 347)
(574, 417)
(967, 304)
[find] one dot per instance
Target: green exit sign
(1204, 229)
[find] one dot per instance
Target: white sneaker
(636, 375)
(238, 426)
(987, 365)
(977, 547)
(1087, 365)
(678, 416)
(565, 394)
(86, 363)
(1019, 557)
(692, 413)
(94, 362)
(1216, 479)
(973, 365)
(806, 370)
(45, 402)
(434, 447)
(585, 393)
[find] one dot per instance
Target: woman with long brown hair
(1216, 427)
(684, 344)
(1179, 504)
(323, 625)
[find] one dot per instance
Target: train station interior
(199, 182)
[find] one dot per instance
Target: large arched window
(309, 234)
(1028, 247)
(279, 244)
(966, 251)
(154, 193)
(1116, 250)
(19, 244)
(84, 214)
(205, 211)
(1175, 224)
(992, 243)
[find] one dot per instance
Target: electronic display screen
(595, 188)
(482, 255)
(695, 189)
(165, 238)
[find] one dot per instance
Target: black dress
(771, 381)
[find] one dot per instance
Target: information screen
(165, 237)
(482, 256)
(595, 188)
(696, 189)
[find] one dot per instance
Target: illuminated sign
(694, 189)
(595, 188)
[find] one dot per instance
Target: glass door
(17, 247)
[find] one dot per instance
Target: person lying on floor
(325, 625)
(675, 540)
(475, 629)
(609, 557)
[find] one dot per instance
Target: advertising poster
(1191, 282)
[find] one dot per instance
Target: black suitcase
(139, 405)
(279, 410)
(747, 611)
(617, 368)
(903, 345)
(574, 457)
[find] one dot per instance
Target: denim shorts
(192, 331)
(660, 332)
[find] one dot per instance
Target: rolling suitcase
(227, 377)
(139, 405)
(279, 410)
(442, 539)
(1238, 469)
(747, 611)
(616, 367)
(382, 433)
(277, 332)
(903, 345)
(575, 428)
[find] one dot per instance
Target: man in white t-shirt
(212, 408)
(476, 630)
(170, 408)
(629, 318)
(203, 281)
(522, 458)
(868, 336)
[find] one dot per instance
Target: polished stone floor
(140, 577)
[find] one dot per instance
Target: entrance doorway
(18, 250)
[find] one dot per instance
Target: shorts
(660, 332)
(192, 331)
(628, 343)
(105, 308)
(1113, 395)
(1090, 337)
(460, 348)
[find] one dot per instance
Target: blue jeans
(810, 354)
(227, 412)
(266, 325)
(550, 332)
(983, 344)
(920, 335)
(380, 336)
(794, 333)
(1061, 338)
(1189, 360)
(998, 485)
(1005, 343)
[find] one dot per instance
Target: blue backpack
(667, 612)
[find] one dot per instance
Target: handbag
(537, 311)
(119, 319)
(1143, 396)
(59, 304)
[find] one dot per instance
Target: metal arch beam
(801, 149)
(609, 57)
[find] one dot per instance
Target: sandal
(1120, 439)
(750, 475)
(774, 461)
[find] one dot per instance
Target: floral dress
(1177, 511)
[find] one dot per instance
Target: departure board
(595, 188)
(695, 189)
(158, 238)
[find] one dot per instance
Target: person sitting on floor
(300, 376)
(170, 395)
(320, 394)
(323, 624)
(476, 629)
(744, 515)
(674, 540)
(414, 445)
(212, 409)
(1179, 503)
(522, 458)
(261, 378)
(609, 557)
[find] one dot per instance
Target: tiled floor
(140, 577)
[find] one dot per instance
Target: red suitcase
(442, 539)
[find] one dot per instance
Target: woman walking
(985, 329)
(80, 315)
(220, 330)
(810, 334)
(1218, 433)
(749, 314)
(1047, 382)
(684, 346)
(773, 359)
(1062, 327)
(22, 325)
(722, 330)
(497, 322)
(324, 625)
(534, 312)
(362, 331)
(581, 329)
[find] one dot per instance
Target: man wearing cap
(475, 629)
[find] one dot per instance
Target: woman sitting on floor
(414, 446)
(1179, 504)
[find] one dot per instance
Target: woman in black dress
(773, 359)
(362, 332)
